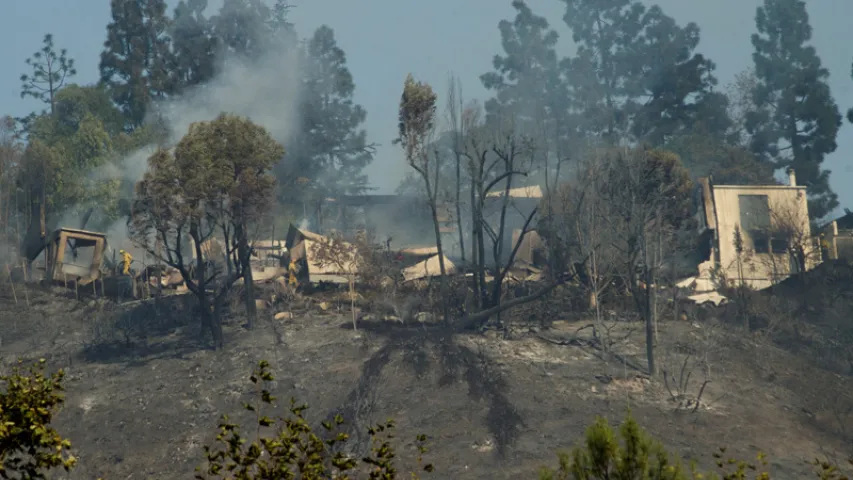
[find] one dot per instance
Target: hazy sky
(386, 39)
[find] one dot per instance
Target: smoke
(266, 91)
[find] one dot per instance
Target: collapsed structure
(837, 238)
(750, 235)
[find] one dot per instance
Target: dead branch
(478, 320)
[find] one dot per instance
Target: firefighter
(126, 259)
(293, 271)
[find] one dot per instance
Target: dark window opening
(779, 245)
(760, 241)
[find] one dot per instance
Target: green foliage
(50, 70)
(29, 446)
(416, 121)
(527, 79)
(193, 44)
(249, 29)
(630, 455)
(829, 471)
(67, 159)
(796, 119)
(704, 154)
(75, 102)
(636, 73)
(216, 180)
(135, 62)
(332, 149)
(288, 447)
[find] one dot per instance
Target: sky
(386, 39)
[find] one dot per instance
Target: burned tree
(214, 181)
(792, 249)
(343, 257)
(577, 225)
(496, 153)
(649, 192)
(417, 126)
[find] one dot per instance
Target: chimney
(792, 177)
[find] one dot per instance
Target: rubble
(430, 267)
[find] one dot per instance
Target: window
(760, 241)
(779, 245)
(755, 220)
(754, 212)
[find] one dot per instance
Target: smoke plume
(266, 91)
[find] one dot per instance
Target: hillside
(143, 395)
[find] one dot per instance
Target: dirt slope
(495, 407)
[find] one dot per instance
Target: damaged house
(754, 235)
(837, 238)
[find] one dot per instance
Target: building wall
(760, 270)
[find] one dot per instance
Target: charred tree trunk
(244, 251)
(199, 286)
(649, 311)
(216, 321)
(459, 206)
(475, 248)
(440, 248)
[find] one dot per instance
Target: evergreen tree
(526, 79)
(331, 150)
(193, 44)
(636, 74)
(675, 90)
(242, 28)
(601, 73)
(51, 68)
(796, 119)
(136, 60)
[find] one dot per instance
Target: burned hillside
(606, 229)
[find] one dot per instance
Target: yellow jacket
(126, 260)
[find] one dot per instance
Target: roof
(420, 250)
(533, 191)
(845, 222)
(360, 200)
(761, 187)
(77, 231)
(430, 267)
(294, 234)
(268, 244)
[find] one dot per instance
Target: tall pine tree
(193, 44)
(796, 119)
(606, 32)
(137, 56)
(636, 74)
(526, 79)
(676, 86)
(331, 148)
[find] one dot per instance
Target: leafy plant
(633, 454)
(29, 446)
(294, 449)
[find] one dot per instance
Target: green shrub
(289, 448)
(603, 456)
(29, 446)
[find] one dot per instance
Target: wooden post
(12, 284)
(26, 295)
